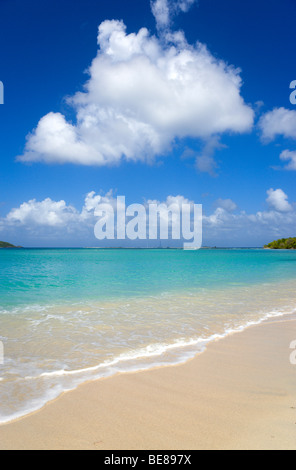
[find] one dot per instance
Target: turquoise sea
(72, 315)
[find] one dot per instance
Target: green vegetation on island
(7, 245)
(282, 244)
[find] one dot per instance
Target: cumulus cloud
(59, 214)
(56, 214)
(161, 12)
(92, 201)
(165, 10)
(57, 141)
(143, 93)
(289, 156)
(58, 220)
(46, 221)
(278, 200)
(280, 121)
(243, 229)
(46, 213)
(227, 204)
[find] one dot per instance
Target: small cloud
(278, 122)
(258, 106)
(161, 12)
(287, 155)
(165, 10)
(188, 153)
(206, 164)
(278, 200)
(226, 204)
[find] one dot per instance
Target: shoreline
(199, 347)
(193, 405)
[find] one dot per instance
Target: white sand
(239, 394)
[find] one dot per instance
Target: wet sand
(239, 394)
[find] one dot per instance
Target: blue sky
(156, 115)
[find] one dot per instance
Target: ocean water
(72, 315)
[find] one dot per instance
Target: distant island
(282, 244)
(8, 245)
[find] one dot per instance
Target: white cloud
(227, 204)
(46, 213)
(278, 200)
(161, 12)
(178, 200)
(287, 155)
(165, 10)
(57, 214)
(185, 5)
(57, 219)
(170, 201)
(227, 228)
(57, 141)
(205, 162)
(142, 94)
(50, 222)
(241, 229)
(280, 121)
(93, 200)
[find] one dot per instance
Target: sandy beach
(239, 394)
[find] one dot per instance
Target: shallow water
(67, 316)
